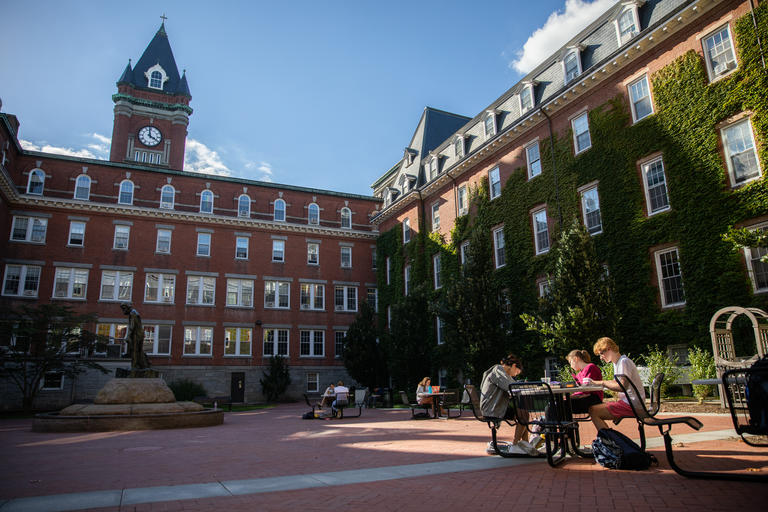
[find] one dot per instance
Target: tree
(743, 238)
(410, 340)
(41, 339)
(276, 380)
(362, 355)
(579, 307)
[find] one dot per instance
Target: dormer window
(572, 63)
(35, 182)
(433, 167)
(408, 156)
(156, 77)
(628, 21)
(490, 123)
(458, 146)
(526, 97)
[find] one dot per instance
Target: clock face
(150, 136)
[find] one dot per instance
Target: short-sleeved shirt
(625, 366)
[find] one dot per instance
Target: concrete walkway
(268, 459)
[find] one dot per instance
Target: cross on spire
(163, 17)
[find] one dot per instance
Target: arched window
(126, 192)
(279, 210)
(167, 196)
(156, 80)
(243, 206)
(313, 214)
(206, 201)
(83, 187)
(346, 218)
(35, 183)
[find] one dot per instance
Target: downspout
(554, 170)
(757, 36)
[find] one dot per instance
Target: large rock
(135, 391)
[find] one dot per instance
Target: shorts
(581, 404)
(620, 409)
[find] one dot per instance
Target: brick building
(225, 272)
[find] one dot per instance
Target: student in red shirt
(581, 363)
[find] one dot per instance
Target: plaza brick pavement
(265, 444)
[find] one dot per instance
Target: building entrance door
(238, 387)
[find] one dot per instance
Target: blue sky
(317, 94)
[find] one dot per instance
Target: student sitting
(581, 363)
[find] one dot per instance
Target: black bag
(310, 415)
(614, 450)
(757, 398)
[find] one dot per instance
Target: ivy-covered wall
(685, 129)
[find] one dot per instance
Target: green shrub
(277, 378)
(185, 390)
(658, 361)
(607, 370)
(702, 367)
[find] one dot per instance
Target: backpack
(757, 397)
(614, 450)
(308, 415)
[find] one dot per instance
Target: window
(436, 217)
(198, 341)
(278, 251)
(312, 296)
(201, 290)
(346, 218)
(279, 214)
(313, 382)
(52, 380)
(533, 159)
(126, 192)
(122, 235)
(116, 334)
(313, 253)
(590, 209)
(670, 278)
(374, 259)
(526, 98)
(313, 214)
(495, 182)
(640, 99)
(35, 182)
(463, 253)
(346, 257)
(719, 54)
(758, 269)
(498, 247)
(29, 229)
(206, 201)
(160, 288)
(312, 343)
(407, 280)
(156, 80)
(276, 294)
(345, 298)
(406, 230)
(540, 231)
(740, 153)
(167, 197)
(489, 124)
(388, 269)
(163, 241)
(463, 204)
(241, 248)
(627, 25)
(437, 269)
(244, 206)
(203, 244)
(544, 287)
(157, 339)
(581, 138)
(275, 342)
(116, 285)
(83, 187)
(458, 147)
(655, 185)
(389, 318)
(237, 341)
(338, 346)
(70, 283)
(372, 297)
(439, 330)
(21, 280)
(572, 65)
(432, 167)
(240, 293)
(76, 233)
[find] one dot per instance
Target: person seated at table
(583, 365)
(608, 350)
(495, 401)
(340, 391)
(328, 395)
(422, 393)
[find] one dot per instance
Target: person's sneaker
(537, 442)
(517, 449)
(526, 448)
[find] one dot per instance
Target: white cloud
(558, 29)
(265, 168)
(97, 151)
(200, 158)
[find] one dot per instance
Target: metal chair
(652, 410)
(451, 401)
(748, 412)
(471, 400)
(414, 406)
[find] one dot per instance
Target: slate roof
(158, 52)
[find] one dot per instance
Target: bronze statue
(134, 337)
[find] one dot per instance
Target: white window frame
(576, 54)
(346, 256)
(199, 335)
(748, 144)
(436, 216)
(348, 293)
(313, 214)
(238, 338)
(584, 195)
(536, 222)
(463, 199)
(458, 146)
(122, 192)
(35, 226)
(167, 197)
(203, 202)
(313, 253)
(156, 335)
(73, 277)
(533, 162)
(526, 92)
(437, 270)
(494, 183)
(577, 149)
(280, 338)
(439, 330)
(201, 290)
(244, 206)
(122, 286)
(242, 244)
(388, 264)
(346, 218)
(25, 278)
(406, 279)
(463, 252)
(489, 128)
(36, 182)
(632, 86)
(160, 238)
(312, 296)
(752, 255)
(730, 65)
(278, 251)
(239, 293)
(629, 8)
(311, 342)
(660, 276)
(338, 343)
(203, 245)
(278, 211)
(82, 191)
(76, 227)
(432, 167)
(406, 230)
(166, 288)
(122, 238)
(372, 298)
(47, 376)
(544, 286)
(281, 292)
(646, 168)
(499, 247)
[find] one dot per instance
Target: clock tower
(151, 109)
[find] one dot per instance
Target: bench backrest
(342, 400)
(360, 396)
(474, 400)
(404, 398)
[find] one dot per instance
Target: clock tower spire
(152, 109)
